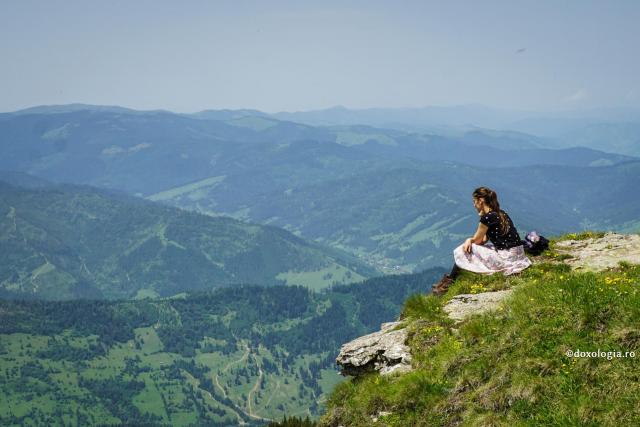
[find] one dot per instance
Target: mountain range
(143, 253)
(396, 199)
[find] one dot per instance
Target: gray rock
(464, 305)
(384, 351)
(601, 253)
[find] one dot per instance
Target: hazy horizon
(286, 56)
(533, 112)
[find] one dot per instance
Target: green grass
(580, 236)
(150, 398)
(509, 367)
(330, 378)
(150, 340)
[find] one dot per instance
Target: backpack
(535, 244)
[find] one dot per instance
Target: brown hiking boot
(441, 287)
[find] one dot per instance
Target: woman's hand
(466, 246)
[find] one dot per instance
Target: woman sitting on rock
(504, 254)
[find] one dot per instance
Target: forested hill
(230, 356)
(65, 242)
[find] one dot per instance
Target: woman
(504, 254)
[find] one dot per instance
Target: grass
(584, 235)
(510, 367)
(150, 340)
(150, 398)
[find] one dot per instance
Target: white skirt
(486, 259)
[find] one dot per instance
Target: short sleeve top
(500, 241)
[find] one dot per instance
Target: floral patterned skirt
(486, 259)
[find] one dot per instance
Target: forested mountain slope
(230, 356)
(61, 242)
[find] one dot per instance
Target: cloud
(631, 95)
(580, 95)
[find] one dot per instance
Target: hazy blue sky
(286, 56)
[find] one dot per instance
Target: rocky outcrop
(600, 253)
(464, 305)
(384, 351)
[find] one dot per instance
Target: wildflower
(457, 345)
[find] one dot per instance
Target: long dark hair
(491, 199)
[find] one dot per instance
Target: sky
(187, 56)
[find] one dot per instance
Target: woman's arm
(478, 238)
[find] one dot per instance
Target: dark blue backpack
(535, 244)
